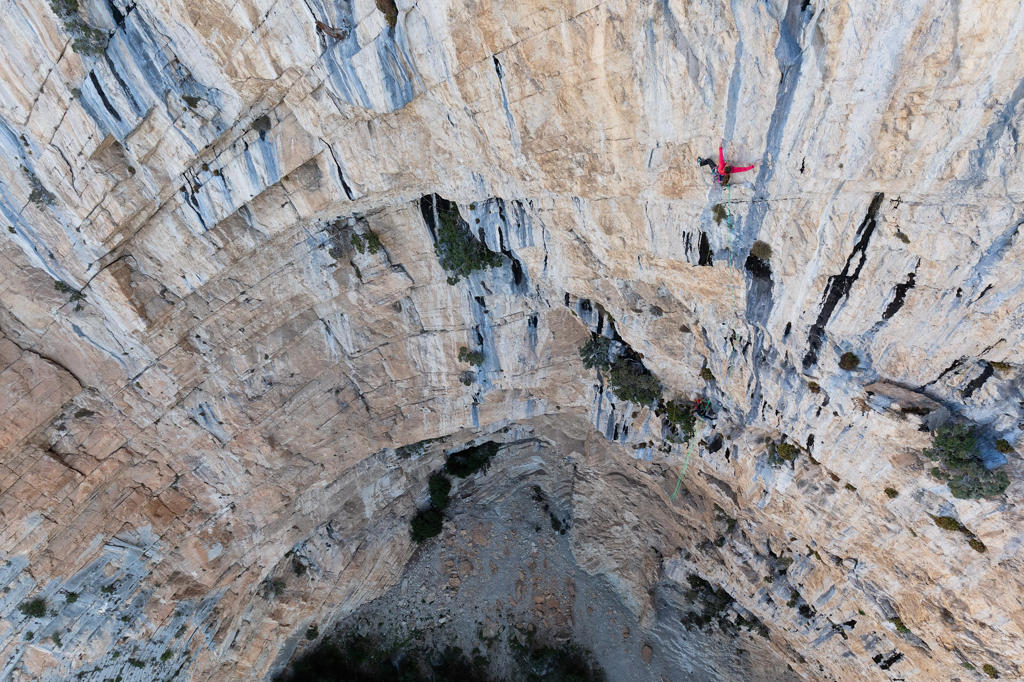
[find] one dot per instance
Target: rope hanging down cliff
(722, 173)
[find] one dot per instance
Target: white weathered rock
(238, 376)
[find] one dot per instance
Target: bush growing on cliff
(761, 251)
(471, 460)
(781, 453)
(458, 250)
(368, 242)
(358, 658)
(33, 609)
(956, 449)
(849, 362)
(390, 11)
(40, 196)
(425, 525)
(595, 353)
(87, 40)
(626, 375)
(900, 627)
(681, 419)
(439, 485)
(631, 381)
(709, 602)
(475, 357)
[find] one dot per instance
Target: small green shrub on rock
(87, 40)
(813, 387)
(475, 357)
(33, 609)
(718, 212)
(627, 377)
(425, 525)
(390, 11)
(458, 250)
(900, 627)
(471, 460)
(368, 242)
(780, 453)
(761, 251)
(948, 523)
(595, 353)
(956, 449)
(681, 419)
(630, 380)
(892, 493)
(440, 485)
(977, 545)
(706, 374)
(1003, 446)
(990, 670)
(788, 451)
(849, 362)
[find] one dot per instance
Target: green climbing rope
(686, 462)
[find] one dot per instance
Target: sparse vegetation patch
(849, 362)
(625, 372)
(86, 39)
(33, 609)
(474, 357)
(681, 420)
(471, 460)
(960, 466)
(366, 242)
(458, 250)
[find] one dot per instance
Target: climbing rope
(686, 462)
(735, 316)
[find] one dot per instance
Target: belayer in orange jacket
(722, 171)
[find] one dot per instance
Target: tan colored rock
(239, 376)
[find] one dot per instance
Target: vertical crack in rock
(103, 96)
(341, 176)
(838, 287)
(978, 381)
(513, 131)
(899, 296)
(704, 256)
(952, 367)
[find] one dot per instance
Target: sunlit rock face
(216, 387)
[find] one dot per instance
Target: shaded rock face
(214, 394)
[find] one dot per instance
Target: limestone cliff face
(217, 388)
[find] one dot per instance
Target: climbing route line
(732, 278)
(732, 340)
(686, 462)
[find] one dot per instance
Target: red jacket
(733, 169)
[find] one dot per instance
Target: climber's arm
(743, 169)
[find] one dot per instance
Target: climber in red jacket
(722, 171)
